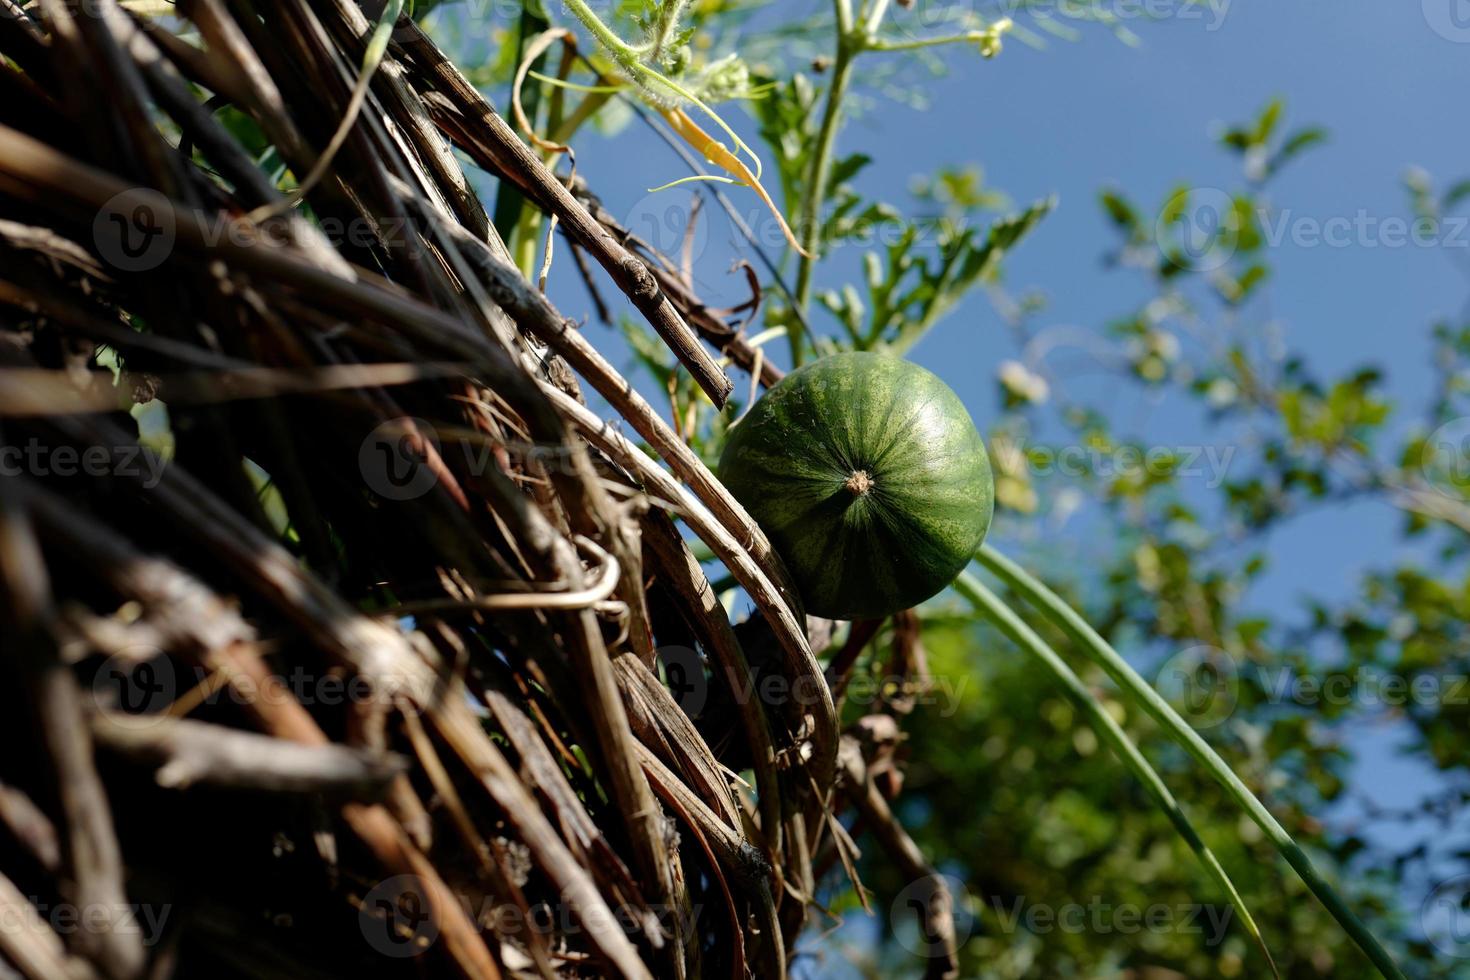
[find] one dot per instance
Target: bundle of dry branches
(374, 675)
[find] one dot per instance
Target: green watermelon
(870, 479)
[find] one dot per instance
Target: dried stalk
(487, 137)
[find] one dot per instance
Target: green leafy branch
(857, 33)
(908, 292)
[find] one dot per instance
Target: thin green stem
(669, 16)
(555, 82)
(969, 37)
(525, 240)
(843, 10)
(874, 17)
(628, 60)
(1098, 649)
(989, 605)
(848, 48)
(509, 203)
(694, 179)
(624, 54)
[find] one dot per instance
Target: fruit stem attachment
(859, 483)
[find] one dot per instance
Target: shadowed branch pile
(347, 638)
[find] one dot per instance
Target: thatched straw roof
(365, 679)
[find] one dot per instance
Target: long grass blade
(1098, 649)
(989, 605)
